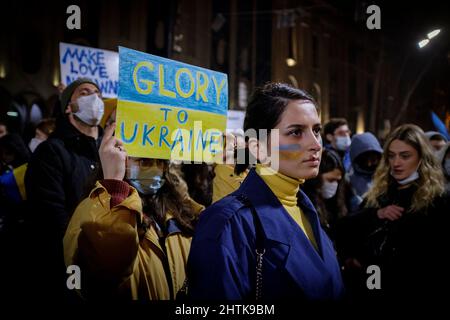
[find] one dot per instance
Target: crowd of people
(306, 228)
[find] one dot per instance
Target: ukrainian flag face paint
(290, 151)
(299, 145)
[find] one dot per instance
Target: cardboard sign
(101, 66)
(170, 110)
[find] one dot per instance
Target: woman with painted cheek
(264, 241)
(132, 235)
(404, 218)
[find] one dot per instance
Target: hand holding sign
(112, 155)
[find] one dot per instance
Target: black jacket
(412, 251)
(59, 174)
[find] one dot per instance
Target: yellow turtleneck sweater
(285, 189)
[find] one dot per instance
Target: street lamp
(433, 33)
(430, 35)
(413, 87)
(423, 43)
(291, 62)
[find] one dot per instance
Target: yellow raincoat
(114, 260)
(226, 181)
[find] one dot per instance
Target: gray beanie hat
(66, 95)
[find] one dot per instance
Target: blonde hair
(431, 180)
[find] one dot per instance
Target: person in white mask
(437, 140)
(58, 174)
(404, 220)
(86, 108)
(328, 192)
(43, 130)
(337, 135)
(131, 236)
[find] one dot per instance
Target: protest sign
(170, 110)
(101, 66)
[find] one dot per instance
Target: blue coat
(222, 263)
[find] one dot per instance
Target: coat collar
(269, 208)
(64, 130)
(132, 202)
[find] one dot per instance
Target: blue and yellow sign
(170, 110)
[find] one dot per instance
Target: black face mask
(368, 170)
(366, 163)
(371, 168)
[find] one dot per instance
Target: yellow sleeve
(225, 181)
(103, 241)
(19, 175)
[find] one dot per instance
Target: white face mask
(413, 177)
(343, 143)
(329, 189)
(147, 181)
(34, 143)
(447, 166)
(90, 109)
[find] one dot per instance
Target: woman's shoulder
(222, 217)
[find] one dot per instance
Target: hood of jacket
(362, 143)
(441, 154)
